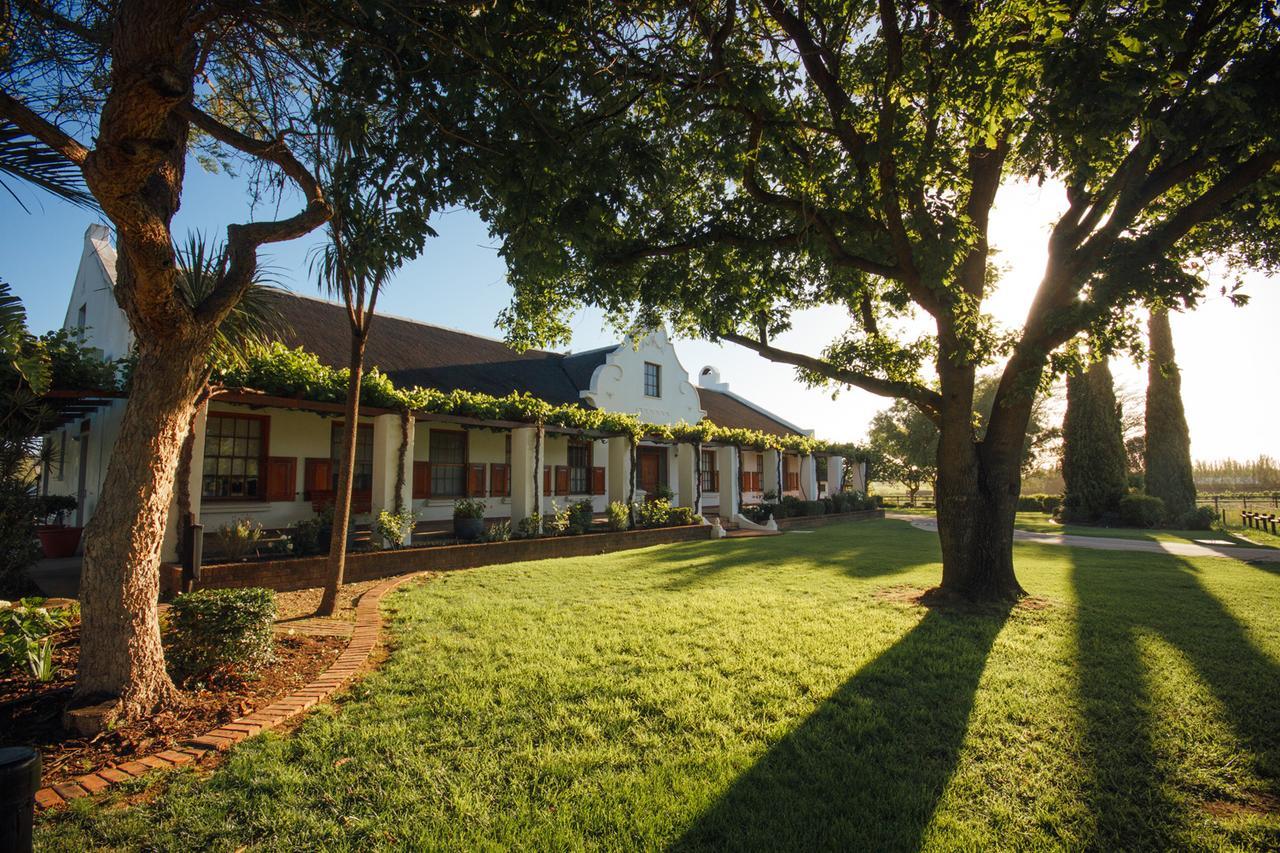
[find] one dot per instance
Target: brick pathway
(364, 637)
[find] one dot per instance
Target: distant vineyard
(1229, 475)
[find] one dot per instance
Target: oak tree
(725, 165)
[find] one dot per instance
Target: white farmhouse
(273, 459)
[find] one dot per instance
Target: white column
(618, 473)
(727, 465)
(386, 464)
(769, 481)
(169, 550)
(526, 495)
(835, 473)
(686, 473)
(808, 477)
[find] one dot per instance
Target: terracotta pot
(60, 541)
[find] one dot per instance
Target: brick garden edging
(364, 638)
(293, 573)
(824, 520)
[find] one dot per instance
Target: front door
(651, 468)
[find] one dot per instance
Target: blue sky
(459, 281)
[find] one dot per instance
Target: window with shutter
(475, 480)
(710, 480)
(421, 480)
(235, 454)
(448, 452)
(499, 480)
(281, 477)
(316, 478)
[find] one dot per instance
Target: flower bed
(293, 573)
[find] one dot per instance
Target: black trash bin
(19, 781)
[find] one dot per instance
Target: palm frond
(254, 321)
(27, 159)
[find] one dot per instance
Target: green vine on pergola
(281, 371)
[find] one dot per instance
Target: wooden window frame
(462, 466)
(263, 455)
(588, 447)
(657, 379)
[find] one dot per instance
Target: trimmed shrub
(1200, 518)
(312, 535)
(1141, 511)
(653, 513)
(1031, 503)
(529, 527)
(497, 532)
(813, 508)
(1051, 503)
(220, 631)
(619, 516)
(682, 515)
(581, 516)
(1093, 454)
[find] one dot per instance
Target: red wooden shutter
(744, 480)
(562, 479)
(715, 481)
(499, 481)
(421, 480)
(597, 481)
(475, 480)
(317, 477)
(282, 474)
(546, 479)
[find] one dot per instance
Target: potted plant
(56, 538)
(468, 518)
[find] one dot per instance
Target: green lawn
(764, 694)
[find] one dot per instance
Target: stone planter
(59, 541)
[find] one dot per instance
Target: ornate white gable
(618, 385)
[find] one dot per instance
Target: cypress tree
(1168, 453)
(1093, 455)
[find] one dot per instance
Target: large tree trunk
(976, 495)
(120, 654)
(346, 470)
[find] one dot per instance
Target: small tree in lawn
(371, 235)
(907, 444)
(1167, 458)
(723, 166)
(1093, 452)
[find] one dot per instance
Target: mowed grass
(771, 694)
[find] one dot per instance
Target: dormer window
(652, 379)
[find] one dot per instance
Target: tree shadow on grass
(873, 552)
(1132, 799)
(867, 769)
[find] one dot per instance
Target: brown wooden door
(650, 468)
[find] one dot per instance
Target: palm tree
(355, 265)
(27, 159)
(254, 322)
